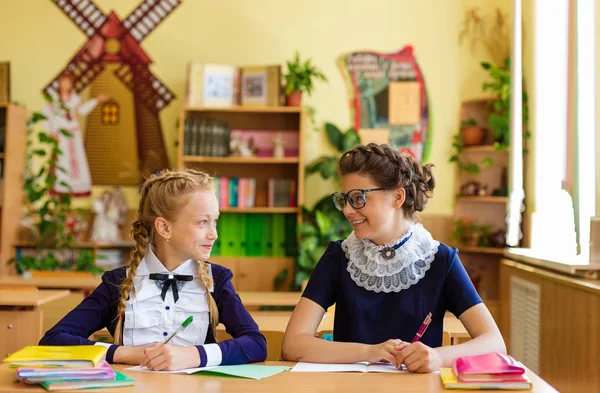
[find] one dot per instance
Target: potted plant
(47, 214)
(323, 223)
(299, 78)
(471, 134)
(499, 118)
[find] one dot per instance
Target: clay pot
(294, 98)
(473, 135)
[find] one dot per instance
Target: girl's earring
(168, 239)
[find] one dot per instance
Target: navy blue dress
(99, 310)
(368, 317)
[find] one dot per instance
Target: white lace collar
(368, 268)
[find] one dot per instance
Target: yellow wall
(247, 32)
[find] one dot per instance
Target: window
(564, 110)
(110, 113)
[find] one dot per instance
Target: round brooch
(388, 252)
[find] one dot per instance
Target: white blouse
(149, 319)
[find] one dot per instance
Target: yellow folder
(55, 356)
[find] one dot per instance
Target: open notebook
(250, 371)
(362, 367)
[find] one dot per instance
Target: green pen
(180, 328)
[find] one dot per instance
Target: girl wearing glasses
(387, 276)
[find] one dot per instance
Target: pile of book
(66, 368)
(488, 371)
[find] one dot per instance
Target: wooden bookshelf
(481, 250)
(241, 160)
(14, 156)
(261, 210)
(481, 149)
(482, 263)
(253, 273)
(246, 109)
(483, 199)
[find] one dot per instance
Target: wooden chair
(274, 342)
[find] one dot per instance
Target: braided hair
(389, 168)
(163, 195)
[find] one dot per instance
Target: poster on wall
(387, 95)
(122, 138)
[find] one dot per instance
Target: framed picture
(261, 86)
(254, 87)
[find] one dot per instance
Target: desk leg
(19, 328)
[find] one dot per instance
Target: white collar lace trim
(368, 268)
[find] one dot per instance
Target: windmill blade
(84, 67)
(83, 13)
(147, 16)
(148, 88)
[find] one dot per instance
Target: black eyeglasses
(357, 198)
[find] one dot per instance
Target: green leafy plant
(470, 167)
(468, 123)
(499, 118)
(300, 75)
(468, 233)
(323, 223)
(46, 213)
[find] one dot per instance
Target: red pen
(422, 329)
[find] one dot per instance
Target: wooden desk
(258, 299)
(20, 313)
(286, 381)
(85, 283)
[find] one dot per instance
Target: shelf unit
(482, 263)
(253, 273)
(13, 122)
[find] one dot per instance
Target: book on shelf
(212, 85)
(205, 138)
(261, 86)
(282, 193)
(235, 192)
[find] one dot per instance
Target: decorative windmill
(112, 61)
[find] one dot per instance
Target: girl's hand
(170, 357)
(386, 351)
(131, 355)
(419, 358)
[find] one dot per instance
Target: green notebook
(246, 371)
(121, 380)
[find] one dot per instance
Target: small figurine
(278, 149)
(239, 148)
(110, 209)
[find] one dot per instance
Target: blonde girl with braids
(388, 275)
(166, 280)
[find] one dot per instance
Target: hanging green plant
(46, 213)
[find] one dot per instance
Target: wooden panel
(19, 329)
(258, 273)
(12, 189)
(251, 121)
(55, 311)
(230, 263)
(570, 322)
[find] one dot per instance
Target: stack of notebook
(66, 368)
(488, 371)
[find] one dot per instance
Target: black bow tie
(170, 280)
